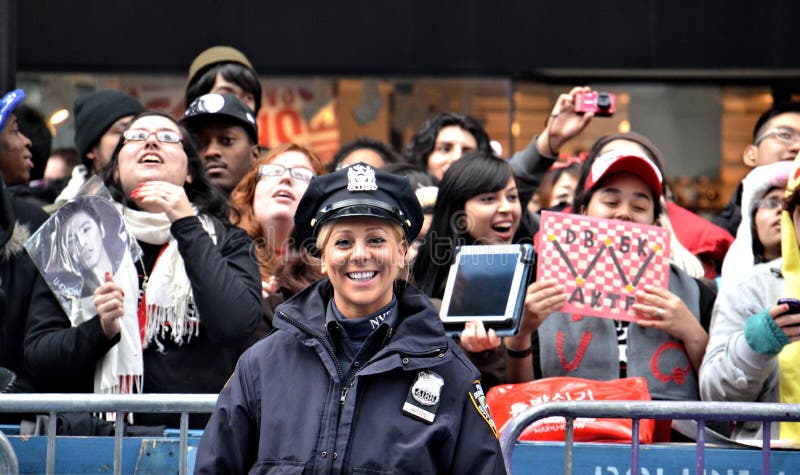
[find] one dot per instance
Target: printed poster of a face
(601, 263)
(74, 249)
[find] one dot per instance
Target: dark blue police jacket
(288, 409)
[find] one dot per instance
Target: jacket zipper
(319, 338)
(424, 354)
(346, 384)
(332, 353)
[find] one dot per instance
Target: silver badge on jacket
(424, 395)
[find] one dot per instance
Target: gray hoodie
(731, 370)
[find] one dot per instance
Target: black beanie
(96, 112)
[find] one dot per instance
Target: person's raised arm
(531, 163)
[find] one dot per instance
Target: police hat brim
(196, 122)
(357, 209)
(361, 210)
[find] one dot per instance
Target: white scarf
(168, 295)
(168, 292)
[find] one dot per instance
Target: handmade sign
(601, 262)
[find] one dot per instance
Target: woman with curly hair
(264, 203)
(443, 139)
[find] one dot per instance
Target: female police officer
(359, 375)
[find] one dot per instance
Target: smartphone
(603, 104)
(794, 305)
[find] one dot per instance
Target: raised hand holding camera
(564, 122)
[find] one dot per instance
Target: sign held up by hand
(601, 262)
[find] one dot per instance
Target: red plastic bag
(508, 400)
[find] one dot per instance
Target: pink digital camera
(603, 104)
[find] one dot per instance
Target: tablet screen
(483, 284)
(487, 283)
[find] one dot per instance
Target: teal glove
(764, 335)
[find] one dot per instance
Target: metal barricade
(694, 410)
(52, 404)
(8, 459)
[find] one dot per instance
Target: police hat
(358, 190)
(211, 108)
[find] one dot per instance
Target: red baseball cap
(614, 162)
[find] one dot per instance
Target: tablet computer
(487, 283)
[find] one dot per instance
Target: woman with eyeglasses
(759, 236)
(264, 205)
(195, 297)
(753, 350)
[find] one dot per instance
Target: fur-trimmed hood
(740, 259)
(15, 245)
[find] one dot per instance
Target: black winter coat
(17, 277)
(288, 409)
(227, 294)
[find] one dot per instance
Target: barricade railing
(701, 412)
(8, 459)
(53, 404)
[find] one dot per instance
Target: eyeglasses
(163, 136)
(303, 174)
(769, 204)
(783, 134)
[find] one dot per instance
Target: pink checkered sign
(601, 262)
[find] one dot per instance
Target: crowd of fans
(215, 217)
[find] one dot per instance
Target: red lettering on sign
(287, 125)
(582, 346)
(271, 95)
(263, 127)
(678, 374)
(305, 94)
(287, 97)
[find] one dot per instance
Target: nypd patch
(479, 401)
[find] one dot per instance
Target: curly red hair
(242, 214)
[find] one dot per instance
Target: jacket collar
(418, 330)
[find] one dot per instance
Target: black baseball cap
(216, 108)
(358, 190)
